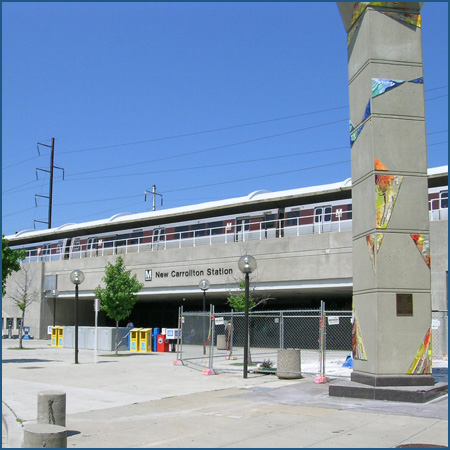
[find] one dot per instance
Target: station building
(300, 238)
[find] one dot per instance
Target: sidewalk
(145, 400)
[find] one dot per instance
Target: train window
(59, 247)
(443, 199)
(92, 243)
(199, 229)
(47, 248)
(349, 211)
(76, 245)
(158, 234)
(269, 221)
(244, 222)
(292, 218)
(108, 242)
(322, 214)
(216, 227)
(121, 239)
(318, 212)
(135, 235)
(182, 232)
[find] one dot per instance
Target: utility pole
(50, 195)
(154, 194)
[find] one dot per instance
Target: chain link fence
(214, 342)
(439, 328)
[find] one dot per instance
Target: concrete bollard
(52, 408)
(44, 435)
(288, 363)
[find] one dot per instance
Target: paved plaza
(145, 400)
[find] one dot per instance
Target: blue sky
(205, 100)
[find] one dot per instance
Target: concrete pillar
(52, 408)
(288, 363)
(43, 435)
(391, 267)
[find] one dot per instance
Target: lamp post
(76, 277)
(204, 286)
(247, 264)
(54, 294)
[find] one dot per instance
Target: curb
(14, 432)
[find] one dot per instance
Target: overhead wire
(208, 149)
(196, 133)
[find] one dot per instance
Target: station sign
(189, 273)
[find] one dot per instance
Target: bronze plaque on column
(404, 304)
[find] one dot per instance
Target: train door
(59, 251)
(92, 247)
(75, 249)
(322, 219)
(67, 245)
(270, 225)
(242, 229)
(281, 223)
(159, 238)
(46, 252)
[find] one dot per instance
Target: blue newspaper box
(155, 333)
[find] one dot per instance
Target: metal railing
(226, 234)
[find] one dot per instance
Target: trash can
(221, 342)
(162, 344)
(289, 363)
(155, 333)
(134, 339)
(145, 340)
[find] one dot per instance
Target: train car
(260, 215)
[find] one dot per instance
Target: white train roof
(260, 196)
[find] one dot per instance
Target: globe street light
(76, 277)
(246, 264)
(204, 286)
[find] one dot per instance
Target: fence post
(281, 326)
(180, 334)
(322, 329)
(213, 329)
(230, 335)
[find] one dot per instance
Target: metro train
(261, 215)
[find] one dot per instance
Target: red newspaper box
(162, 344)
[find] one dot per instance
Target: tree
(119, 295)
(23, 296)
(237, 302)
(10, 261)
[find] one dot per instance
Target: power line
(207, 166)
(221, 147)
(213, 184)
(212, 130)
(231, 163)
(196, 133)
